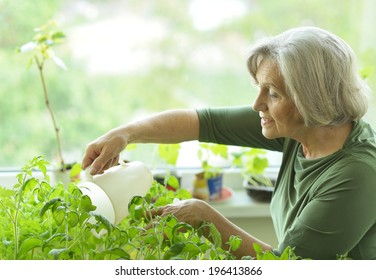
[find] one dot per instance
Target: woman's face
(279, 115)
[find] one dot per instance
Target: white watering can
(112, 190)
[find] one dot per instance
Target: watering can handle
(90, 177)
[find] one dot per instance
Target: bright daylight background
(131, 58)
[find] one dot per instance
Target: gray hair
(320, 74)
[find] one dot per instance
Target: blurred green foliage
(188, 67)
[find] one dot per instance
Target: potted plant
(168, 153)
(208, 184)
(41, 50)
(252, 164)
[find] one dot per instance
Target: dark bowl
(259, 193)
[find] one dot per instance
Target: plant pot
(259, 193)
(207, 189)
(70, 173)
(215, 186)
(60, 176)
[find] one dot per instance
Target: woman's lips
(265, 121)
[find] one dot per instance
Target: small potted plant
(252, 165)
(41, 50)
(169, 154)
(208, 184)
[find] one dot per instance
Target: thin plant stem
(15, 221)
(40, 65)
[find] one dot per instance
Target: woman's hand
(190, 211)
(103, 153)
(195, 212)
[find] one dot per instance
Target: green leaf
(179, 228)
(151, 258)
(106, 223)
(172, 181)
(86, 204)
(257, 247)
(214, 234)
(286, 254)
(151, 240)
(135, 202)
(75, 170)
(55, 253)
(170, 223)
(192, 250)
(219, 149)
(8, 203)
(118, 252)
(174, 251)
(183, 194)
(42, 165)
(6, 193)
(139, 212)
(269, 255)
(234, 242)
(134, 231)
(169, 153)
(260, 164)
(57, 35)
(59, 213)
(121, 236)
(48, 204)
(183, 250)
(52, 238)
(29, 184)
(28, 245)
(131, 147)
(366, 72)
(73, 218)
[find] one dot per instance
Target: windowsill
(240, 204)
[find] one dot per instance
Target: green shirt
(323, 207)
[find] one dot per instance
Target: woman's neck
(323, 141)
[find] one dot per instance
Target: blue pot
(215, 187)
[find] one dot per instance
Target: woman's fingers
(103, 153)
(154, 213)
(187, 211)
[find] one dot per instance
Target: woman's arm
(195, 212)
(172, 126)
(235, 125)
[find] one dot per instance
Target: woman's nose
(259, 104)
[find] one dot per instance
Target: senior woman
(310, 106)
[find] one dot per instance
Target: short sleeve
(237, 126)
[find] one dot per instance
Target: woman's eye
(273, 94)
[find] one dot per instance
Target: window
(128, 59)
